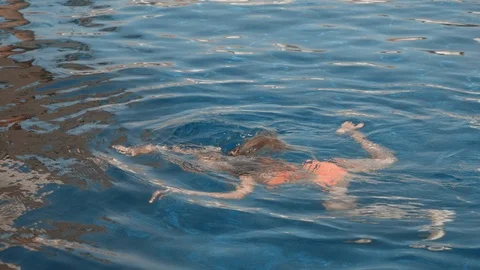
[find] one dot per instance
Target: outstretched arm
(138, 150)
(245, 187)
(14, 120)
(150, 148)
(381, 156)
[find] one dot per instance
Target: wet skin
(243, 163)
(246, 163)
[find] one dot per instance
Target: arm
(150, 148)
(14, 120)
(375, 150)
(133, 151)
(245, 187)
(381, 157)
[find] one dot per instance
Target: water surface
(87, 74)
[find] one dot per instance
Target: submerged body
(245, 163)
(265, 170)
(251, 169)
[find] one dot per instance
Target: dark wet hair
(263, 141)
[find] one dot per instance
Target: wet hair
(263, 141)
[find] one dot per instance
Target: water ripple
(359, 64)
(78, 76)
(447, 23)
(405, 39)
(295, 48)
(446, 52)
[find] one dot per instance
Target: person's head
(258, 143)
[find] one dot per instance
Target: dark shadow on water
(44, 136)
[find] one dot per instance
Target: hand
(124, 150)
(348, 128)
(157, 195)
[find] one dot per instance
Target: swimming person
(247, 163)
(244, 163)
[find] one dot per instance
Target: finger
(360, 125)
(155, 195)
(120, 148)
(116, 147)
(317, 165)
(305, 166)
(309, 167)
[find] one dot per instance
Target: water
(87, 74)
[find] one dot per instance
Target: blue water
(217, 72)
